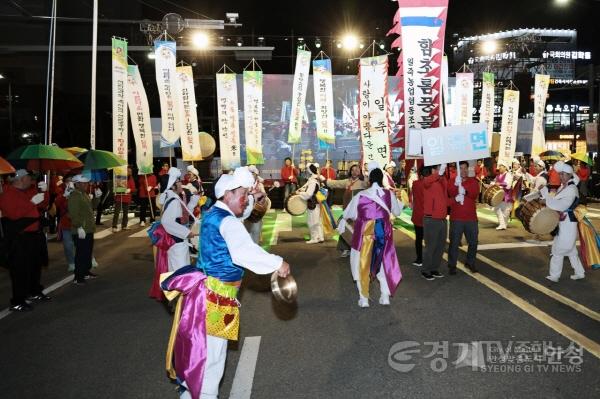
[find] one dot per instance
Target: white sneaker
(577, 276)
(71, 267)
(345, 253)
(312, 242)
(384, 300)
(115, 229)
(142, 224)
(501, 228)
(554, 280)
(363, 303)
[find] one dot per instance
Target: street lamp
(350, 42)
(489, 47)
(561, 3)
(200, 40)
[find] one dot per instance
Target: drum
(295, 205)
(259, 210)
(537, 218)
(348, 232)
(493, 195)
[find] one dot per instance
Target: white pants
(313, 219)
(354, 268)
(213, 369)
(565, 245)
(254, 229)
(179, 256)
(503, 213)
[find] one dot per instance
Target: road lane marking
(283, 222)
(241, 388)
(140, 234)
(102, 234)
(590, 345)
(507, 245)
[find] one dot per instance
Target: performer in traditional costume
(504, 179)
(177, 212)
(388, 176)
(373, 253)
(255, 227)
(308, 192)
(518, 173)
(565, 201)
(540, 177)
(207, 313)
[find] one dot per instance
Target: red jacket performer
(434, 222)
(148, 186)
(21, 206)
(463, 192)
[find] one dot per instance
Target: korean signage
(373, 109)
(463, 102)
(189, 135)
(508, 130)
(253, 104)
(323, 87)
(591, 136)
(538, 142)
(487, 103)
(137, 102)
(229, 130)
(299, 96)
(119, 106)
(455, 143)
(169, 100)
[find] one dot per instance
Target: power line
(151, 6)
(185, 8)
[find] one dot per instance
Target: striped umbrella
(552, 155)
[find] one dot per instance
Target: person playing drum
(255, 227)
(351, 185)
(536, 183)
(308, 193)
(565, 201)
(503, 179)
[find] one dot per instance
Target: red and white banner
(137, 102)
(188, 119)
(421, 25)
(463, 101)
(373, 109)
(508, 130)
(538, 140)
(229, 127)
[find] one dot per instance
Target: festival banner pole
(252, 81)
(94, 62)
(149, 199)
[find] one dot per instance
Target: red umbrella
(5, 167)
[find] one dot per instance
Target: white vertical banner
(170, 100)
(188, 118)
(422, 27)
(486, 112)
(253, 103)
(508, 130)
(137, 102)
(323, 86)
(299, 96)
(463, 101)
(445, 113)
(229, 128)
(119, 107)
(538, 141)
(373, 109)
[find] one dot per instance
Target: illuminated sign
(568, 55)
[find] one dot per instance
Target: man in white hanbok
(313, 216)
(564, 202)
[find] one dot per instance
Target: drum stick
(149, 199)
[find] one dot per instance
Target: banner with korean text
(299, 96)
(190, 137)
(455, 143)
(508, 129)
(487, 103)
(538, 141)
(229, 128)
(253, 103)
(170, 101)
(591, 136)
(373, 109)
(463, 102)
(322, 82)
(119, 108)
(422, 27)
(137, 102)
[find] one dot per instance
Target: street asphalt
(107, 339)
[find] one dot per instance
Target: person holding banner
(583, 172)
(463, 192)
(289, 174)
(481, 173)
(503, 179)
(147, 196)
(435, 226)
(373, 253)
(122, 201)
(565, 201)
(308, 193)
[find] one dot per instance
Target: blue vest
(214, 258)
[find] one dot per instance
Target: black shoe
(436, 274)
(427, 276)
(472, 268)
(22, 307)
(39, 297)
(452, 270)
(79, 282)
(418, 263)
(99, 224)
(90, 276)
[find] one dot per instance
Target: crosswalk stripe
(241, 388)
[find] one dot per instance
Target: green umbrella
(43, 158)
(99, 159)
(582, 156)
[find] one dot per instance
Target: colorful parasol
(99, 159)
(75, 150)
(552, 155)
(583, 157)
(40, 157)
(5, 167)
